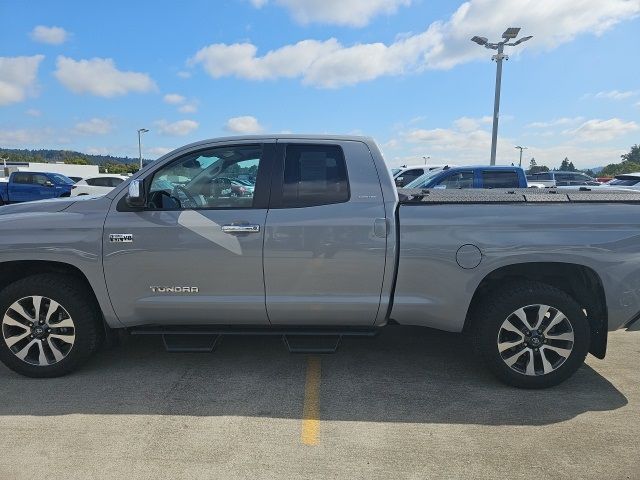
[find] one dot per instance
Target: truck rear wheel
(531, 335)
(50, 325)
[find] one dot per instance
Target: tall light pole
(140, 132)
(521, 148)
(425, 158)
(509, 34)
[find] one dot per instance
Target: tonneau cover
(518, 195)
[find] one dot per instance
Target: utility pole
(509, 34)
(521, 148)
(425, 158)
(140, 132)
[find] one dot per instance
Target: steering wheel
(189, 200)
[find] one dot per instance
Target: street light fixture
(521, 148)
(509, 34)
(425, 158)
(140, 132)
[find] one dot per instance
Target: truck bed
(412, 196)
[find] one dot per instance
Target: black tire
(498, 306)
(73, 295)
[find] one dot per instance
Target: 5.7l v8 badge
(121, 238)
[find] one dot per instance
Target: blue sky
(85, 75)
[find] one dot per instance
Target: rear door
(325, 239)
(21, 188)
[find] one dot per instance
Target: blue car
(29, 186)
(483, 176)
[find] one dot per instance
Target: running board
(312, 343)
(297, 340)
(190, 343)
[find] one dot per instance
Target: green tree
(633, 155)
(630, 164)
(77, 161)
(567, 166)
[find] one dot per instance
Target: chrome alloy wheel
(535, 340)
(38, 330)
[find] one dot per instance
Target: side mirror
(399, 181)
(48, 183)
(135, 197)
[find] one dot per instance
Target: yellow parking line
(311, 410)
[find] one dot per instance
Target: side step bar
(297, 340)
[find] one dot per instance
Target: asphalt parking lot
(410, 403)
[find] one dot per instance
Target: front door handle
(241, 228)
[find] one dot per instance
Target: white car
(406, 174)
(100, 185)
(628, 181)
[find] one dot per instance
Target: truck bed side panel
(434, 291)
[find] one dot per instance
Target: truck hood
(52, 205)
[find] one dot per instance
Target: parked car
(326, 247)
(100, 185)
(483, 176)
(29, 186)
(405, 175)
(627, 180)
(562, 179)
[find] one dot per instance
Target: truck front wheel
(531, 335)
(50, 325)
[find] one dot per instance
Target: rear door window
(314, 175)
(500, 179)
(22, 178)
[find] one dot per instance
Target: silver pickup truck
(319, 244)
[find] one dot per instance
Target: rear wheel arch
(580, 282)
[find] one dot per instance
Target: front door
(193, 255)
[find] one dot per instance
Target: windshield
(62, 179)
(624, 181)
(422, 180)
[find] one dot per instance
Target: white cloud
(353, 13)
(18, 78)
(184, 74)
(466, 124)
(173, 99)
(616, 95)
(158, 151)
(50, 35)
(443, 45)
(556, 122)
(99, 76)
(25, 137)
(460, 146)
(33, 112)
(188, 108)
(179, 128)
(602, 130)
(94, 126)
(246, 124)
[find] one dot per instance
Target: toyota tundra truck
(324, 246)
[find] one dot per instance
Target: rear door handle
(241, 228)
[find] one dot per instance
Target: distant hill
(52, 156)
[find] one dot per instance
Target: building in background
(82, 171)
